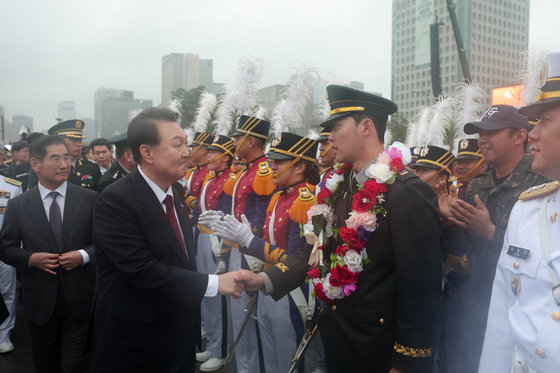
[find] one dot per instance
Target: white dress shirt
(47, 202)
(212, 287)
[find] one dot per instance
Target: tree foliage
(189, 103)
(398, 126)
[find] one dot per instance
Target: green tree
(189, 103)
(398, 126)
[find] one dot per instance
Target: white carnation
(353, 260)
(379, 171)
(333, 181)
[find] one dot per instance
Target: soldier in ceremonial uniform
(387, 322)
(20, 159)
(215, 198)
(84, 172)
(5, 161)
(524, 313)
(281, 323)
(479, 220)
(433, 165)
(9, 188)
(469, 163)
(124, 164)
(326, 151)
(199, 156)
(251, 196)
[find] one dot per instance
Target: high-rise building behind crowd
(67, 110)
(112, 109)
(494, 34)
(186, 71)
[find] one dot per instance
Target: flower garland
(337, 277)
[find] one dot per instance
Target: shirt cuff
(85, 256)
(268, 287)
(212, 288)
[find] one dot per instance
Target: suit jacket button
(333, 307)
(382, 321)
(540, 353)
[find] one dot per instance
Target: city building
(112, 108)
(186, 71)
(67, 110)
(494, 33)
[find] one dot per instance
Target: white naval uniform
(523, 311)
(7, 273)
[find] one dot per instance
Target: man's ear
(146, 153)
(34, 163)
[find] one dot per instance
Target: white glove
(209, 216)
(232, 230)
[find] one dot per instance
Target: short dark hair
(20, 145)
(34, 136)
(39, 146)
(142, 129)
(312, 174)
(100, 142)
(120, 150)
(379, 123)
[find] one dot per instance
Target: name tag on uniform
(518, 252)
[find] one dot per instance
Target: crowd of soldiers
(353, 256)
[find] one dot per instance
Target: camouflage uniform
(469, 297)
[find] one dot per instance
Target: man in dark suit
(147, 305)
(124, 164)
(47, 236)
(388, 324)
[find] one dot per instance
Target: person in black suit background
(47, 236)
(147, 306)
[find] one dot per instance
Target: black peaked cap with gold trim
(202, 138)
(70, 128)
(415, 153)
(345, 101)
(468, 149)
(223, 144)
(550, 89)
(431, 156)
(290, 146)
(326, 129)
(253, 126)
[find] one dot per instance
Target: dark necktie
(55, 218)
(170, 211)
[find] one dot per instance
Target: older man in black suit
(147, 308)
(47, 236)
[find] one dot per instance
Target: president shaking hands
(146, 312)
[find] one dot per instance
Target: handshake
(233, 283)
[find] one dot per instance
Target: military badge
(424, 151)
(464, 144)
(515, 286)
(78, 124)
(4, 194)
(276, 141)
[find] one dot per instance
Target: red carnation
(341, 276)
(374, 187)
(314, 273)
(341, 250)
(351, 237)
(364, 201)
(397, 165)
(323, 194)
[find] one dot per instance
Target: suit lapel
(72, 205)
(36, 211)
(155, 213)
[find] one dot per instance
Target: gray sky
(58, 50)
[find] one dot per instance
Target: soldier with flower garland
(382, 287)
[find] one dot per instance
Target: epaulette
(189, 172)
(229, 185)
(263, 184)
(7, 162)
(9, 180)
(405, 174)
(539, 190)
(210, 175)
(273, 202)
(298, 211)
